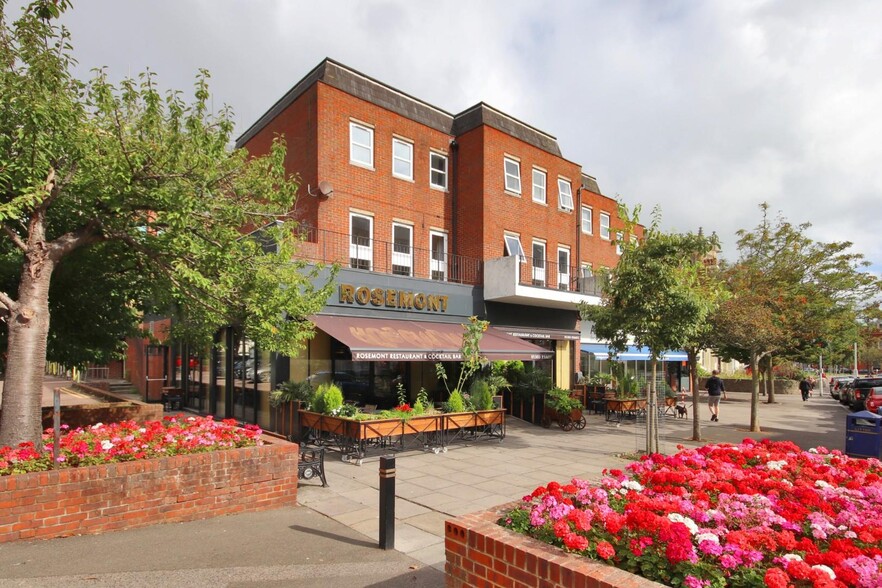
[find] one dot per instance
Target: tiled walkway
(431, 488)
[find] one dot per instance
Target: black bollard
(387, 502)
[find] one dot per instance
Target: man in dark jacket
(715, 390)
(804, 388)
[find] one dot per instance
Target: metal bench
(312, 464)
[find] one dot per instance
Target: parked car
(867, 394)
(837, 384)
(846, 393)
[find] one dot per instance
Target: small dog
(682, 411)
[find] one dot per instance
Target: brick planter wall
(96, 499)
(481, 553)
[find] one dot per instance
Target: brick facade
(481, 553)
(127, 495)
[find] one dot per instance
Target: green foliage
(150, 178)
(455, 403)
(328, 398)
(291, 391)
(529, 382)
(472, 360)
(422, 402)
(480, 395)
(347, 411)
(627, 384)
(600, 379)
(402, 394)
(561, 401)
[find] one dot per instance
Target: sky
(704, 109)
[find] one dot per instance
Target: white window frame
(563, 269)
(539, 190)
(437, 267)
(432, 171)
(515, 186)
(620, 236)
(513, 246)
(564, 194)
(354, 145)
(539, 270)
(402, 258)
(605, 227)
(590, 219)
(397, 159)
(360, 251)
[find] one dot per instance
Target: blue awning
(632, 353)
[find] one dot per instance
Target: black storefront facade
(376, 332)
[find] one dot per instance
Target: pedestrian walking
(804, 387)
(715, 390)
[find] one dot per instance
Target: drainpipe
(579, 233)
(454, 168)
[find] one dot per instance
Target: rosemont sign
(392, 298)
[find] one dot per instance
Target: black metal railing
(384, 257)
(551, 275)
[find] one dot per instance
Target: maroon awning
(373, 339)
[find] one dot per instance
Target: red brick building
(433, 217)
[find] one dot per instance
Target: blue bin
(863, 435)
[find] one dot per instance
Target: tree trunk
(754, 393)
(771, 377)
(652, 413)
(693, 385)
(28, 328)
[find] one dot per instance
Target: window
(538, 185)
(604, 225)
(538, 263)
(563, 268)
(619, 237)
(438, 255)
(361, 246)
(402, 249)
(361, 144)
(402, 159)
(438, 170)
(564, 194)
(513, 247)
(512, 176)
(587, 220)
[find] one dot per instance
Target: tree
(790, 294)
(148, 182)
(654, 295)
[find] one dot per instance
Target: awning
(373, 339)
(601, 351)
(546, 334)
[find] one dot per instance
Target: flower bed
(759, 513)
(107, 479)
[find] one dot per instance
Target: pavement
(331, 538)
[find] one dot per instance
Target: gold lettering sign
(391, 298)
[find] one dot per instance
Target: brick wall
(481, 553)
(118, 496)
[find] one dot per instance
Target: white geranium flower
(792, 557)
(826, 570)
(676, 517)
(106, 445)
(706, 537)
(776, 465)
(822, 484)
(633, 485)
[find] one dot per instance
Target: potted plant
(563, 408)
(286, 401)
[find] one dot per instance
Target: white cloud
(706, 109)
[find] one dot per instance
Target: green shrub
(480, 394)
(455, 403)
(328, 398)
(559, 400)
(291, 391)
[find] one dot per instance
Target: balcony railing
(551, 275)
(383, 257)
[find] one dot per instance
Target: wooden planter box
(429, 430)
(126, 495)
